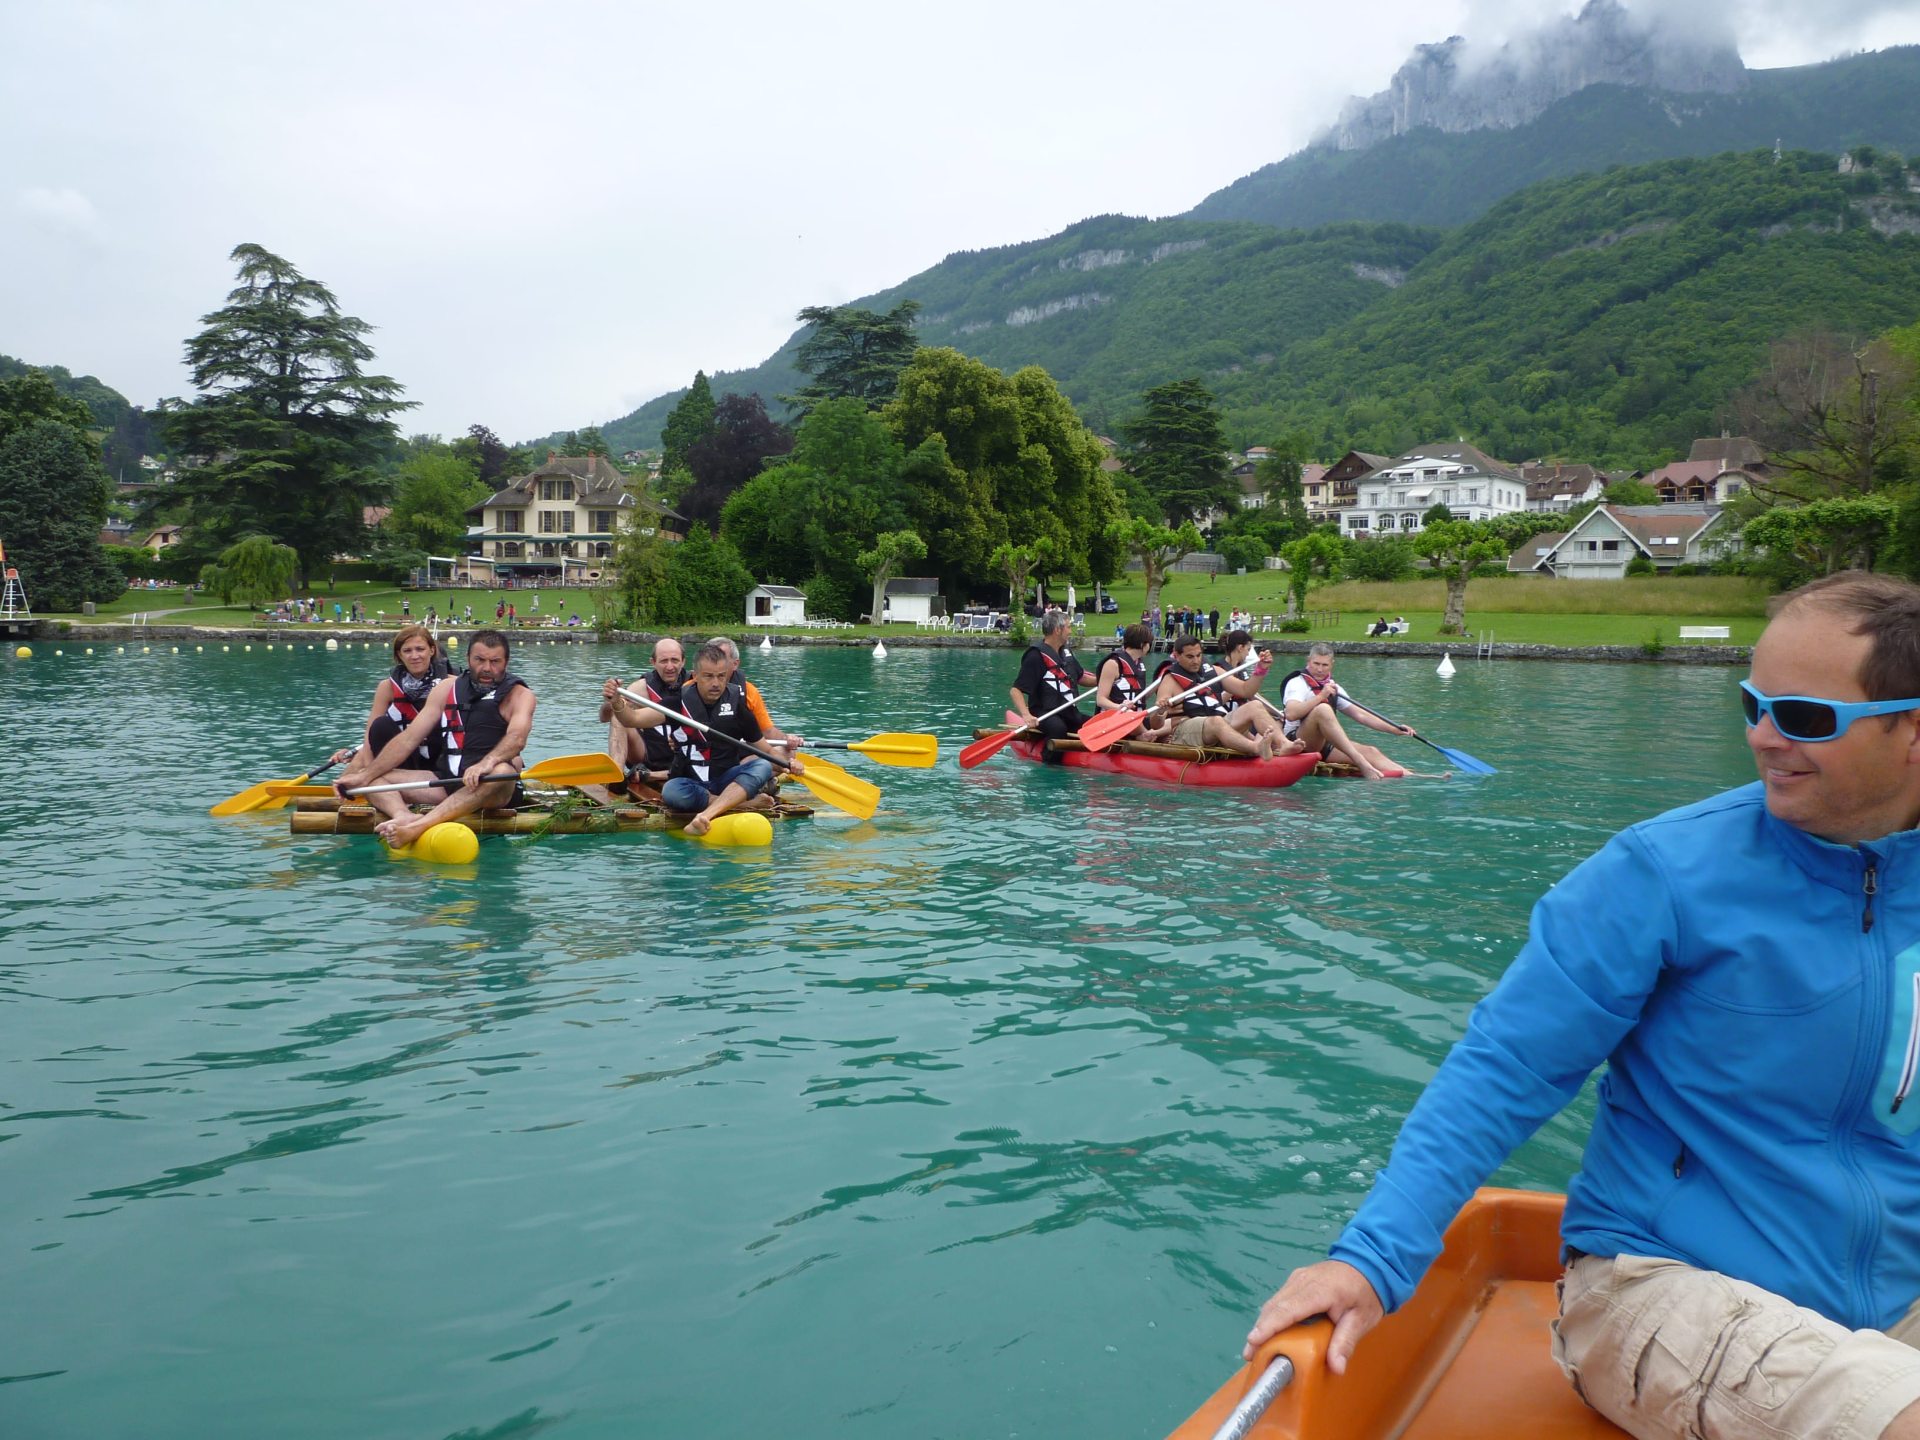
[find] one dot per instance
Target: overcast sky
(555, 212)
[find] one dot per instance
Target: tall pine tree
(1180, 452)
(286, 435)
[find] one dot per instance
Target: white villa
(914, 598)
(1473, 485)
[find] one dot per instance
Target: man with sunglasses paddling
(1743, 1237)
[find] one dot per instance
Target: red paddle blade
(1109, 726)
(983, 750)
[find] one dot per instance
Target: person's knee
(682, 793)
(754, 776)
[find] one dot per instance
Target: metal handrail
(1275, 1378)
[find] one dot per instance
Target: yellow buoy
(453, 642)
(448, 843)
(249, 648)
(59, 652)
(23, 653)
(89, 649)
(146, 649)
(198, 649)
(175, 650)
(225, 648)
(739, 828)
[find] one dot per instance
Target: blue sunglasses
(1806, 719)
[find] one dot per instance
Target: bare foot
(700, 824)
(1264, 746)
(1289, 747)
(1367, 772)
(400, 833)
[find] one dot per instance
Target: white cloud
(58, 209)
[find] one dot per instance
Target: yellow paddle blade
(899, 748)
(281, 791)
(596, 769)
(839, 789)
(254, 797)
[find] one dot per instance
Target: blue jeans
(685, 793)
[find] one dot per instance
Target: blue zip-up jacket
(1753, 990)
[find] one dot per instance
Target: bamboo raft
(543, 815)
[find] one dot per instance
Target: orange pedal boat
(1465, 1359)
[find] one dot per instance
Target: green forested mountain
(1427, 177)
(126, 431)
(1114, 305)
(1603, 318)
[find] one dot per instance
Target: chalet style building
(1556, 489)
(1608, 537)
(1336, 487)
(1470, 483)
(1714, 472)
(560, 521)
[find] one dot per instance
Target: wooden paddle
(1111, 725)
(983, 750)
(567, 770)
(897, 748)
(265, 796)
(832, 784)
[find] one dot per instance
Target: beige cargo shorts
(1665, 1350)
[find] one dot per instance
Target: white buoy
(1446, 665)
(879, 649)
(766, 642)
(332, 644)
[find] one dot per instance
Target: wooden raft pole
(1202, 754)
(345, 817)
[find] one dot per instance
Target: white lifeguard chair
(15, 614)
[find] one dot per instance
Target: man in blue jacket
(1743, 1237)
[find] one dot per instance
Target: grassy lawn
(1520, 610)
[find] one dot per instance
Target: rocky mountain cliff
(1456, 86)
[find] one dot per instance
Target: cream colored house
(560, 522)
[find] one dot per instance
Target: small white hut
(914, 599)
(776, 605)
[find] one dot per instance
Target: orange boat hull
(1466, 1359)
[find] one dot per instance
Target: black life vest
(701, 755)
(660, 741)
(1131, 680)
(472, 721)
(1201, 702)
(1059, 679)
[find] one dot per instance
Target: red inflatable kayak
(1172, 764)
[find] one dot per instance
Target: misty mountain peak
(1459, 85)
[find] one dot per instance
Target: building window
(556, 489)
(508, 549)
(602, 522)
(556, 522)
(509, 522)
(1610, 546)
(1356, 522)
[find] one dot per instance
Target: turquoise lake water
(997, 1115)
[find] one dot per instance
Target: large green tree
(690, 422)
(1157, 548)
(1835, 414)
(806, 520)
(287, 433)
(702, 582)
(992, 459)
(431, 497)
(1455, 549)
(53, 503)
(1180, 452)
(892, 552)
(853, 354)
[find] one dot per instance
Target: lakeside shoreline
(81, 632)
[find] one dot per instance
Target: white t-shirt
(1298, 689)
